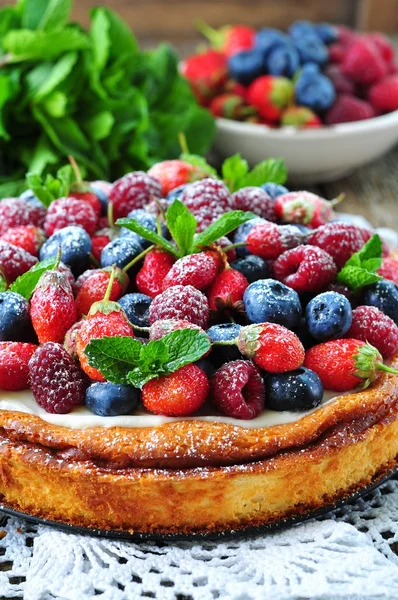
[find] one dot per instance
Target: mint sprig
(361, 269)
(124, 360)
(25, 284)
(182, 225)
(148, 234)
(223, 226)
(3, 283)
(50, 188)
(236, 173)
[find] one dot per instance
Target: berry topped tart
(183, 352)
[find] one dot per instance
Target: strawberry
(270, 95)
(178, 394)
(52, 307)
(229, 39)
(269, 240)
(300, 117)
(15, 212)
(14, 361)
(347, 109)
(198, 270)
(105, 318)
(14, 261)
(363, 62)
(94, 287)
(230, 106)
(99, 240)
(305, 208)
(227, 290)
(150, 277)
(389, 268)
(28, 237)
(342, 365)
(383, 95)
(70, 211)
(206, 73)
(173, 173)
(272, 347)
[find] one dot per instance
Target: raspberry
(14, 261)
(237, 390)
(255, 200)
(347, 109)
(173, 173)
(198, 270)
(208, 200)
(70, 211)
(383, 45)
(389, 268)
(150, 277)
(181, 302)
(180, 393)
(342, 84)
(370, 324)
(303, 207)
(384, 94)
(340, 240)
(27, 237)
(161, 328)
(269, 240)
(14, 212)
(363, 62)
(227, 289)
(14, 360)
(134, 190)
(305, 269)
(272, 347)
(56, 381)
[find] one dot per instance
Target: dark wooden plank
(376, 15)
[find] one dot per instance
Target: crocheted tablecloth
(348, 554)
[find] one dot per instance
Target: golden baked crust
(194, 476)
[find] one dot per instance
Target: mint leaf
(26, 283)
(223, 226)
(199, 161)
(153, 356)
(361, 269)
(3, 283)
(114, 357)
(27, 45)
(182, 226)
(45, 14)
(272, 169)
(51, 188)
(59, 72)
(146, 233)
(233, 170)
(185, 346)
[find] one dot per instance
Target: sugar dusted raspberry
(237, 390)
(181, 302)
(340, 240)
(255, 200)
(161, 328)
(57, 383)
(305, 269)
(389, 268)
(70, 211)
(198, 270)
(208, 199)
(370, 324)
(14, 261)
(134, 190)
(15, 212)
(14, 361)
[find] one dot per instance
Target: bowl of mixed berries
(324, 97)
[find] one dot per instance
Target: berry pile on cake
(174, 294)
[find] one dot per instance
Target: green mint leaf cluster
(182, 225)
(92, 94)
(3, 283)
(236, 173)
(361, 269)
(25, 284)
(124, 360)
(50, 188)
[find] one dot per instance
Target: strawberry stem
(59, 254)
(208, 32)
(225, 342)
(111, 220)
(76, 170)
(337, 200)
(110, 284)
(138, 258)
(232, 246)
(141, 329)
(158, 226)
(383, 367)
(182, 140)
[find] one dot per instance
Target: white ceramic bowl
(312, 155)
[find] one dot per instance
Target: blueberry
(109, 399)
(329, 316)
(295, 390)
(252, 267)
(102, 197)
(176, 193)
(274, 189)
(136, 307)
(242, 232)
(326, 32)
(299, 29)
(311, 49)
(246, 66)
(267, 39)
(75, 248)
(283, 60)
(14, 317)
(121, 251)
(384, 295)
(145, 219)
(268, 300)
(314, 90)
(207, 366)
(225, 332)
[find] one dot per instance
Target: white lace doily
(349, 554)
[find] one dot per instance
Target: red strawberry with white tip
(304, 208)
